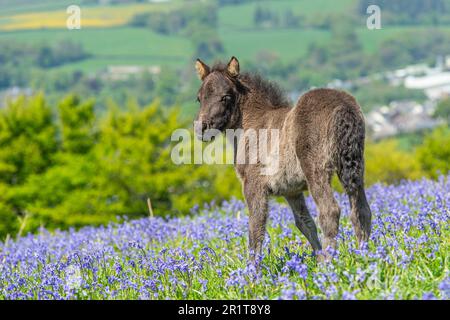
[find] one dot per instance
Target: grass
(13, 7)
(241, 16)
(91, 16)
(114, 46)
(287, 44)
(291, 44)
(371, 40)
(242, 38)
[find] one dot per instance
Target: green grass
(93, 16)
(10, 7)
(241, 16)
(371, 40)
(122, 45)
(288, 44)
(292, 44)
(116, 46)
(409, 141)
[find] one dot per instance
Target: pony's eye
(226, 98)
(198, 99)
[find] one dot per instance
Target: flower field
(204, 256)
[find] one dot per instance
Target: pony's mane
(255, 82)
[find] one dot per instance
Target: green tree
(443, 110)
(77, 125)
(106, 167)
(27, 139)
(434, 154)
(385, 162)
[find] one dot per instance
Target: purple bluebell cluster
(204, 256)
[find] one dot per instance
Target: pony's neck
(261, 102)
(257, 112)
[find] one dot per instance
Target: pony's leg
(257, 202)
(319, 182)
(303, 220)
(361, 215)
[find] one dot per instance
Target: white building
(435, 86)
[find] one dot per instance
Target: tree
(98, 168)
(434, 154)
(385, 162)
(443, 110)
(77, 125)
(27, 139)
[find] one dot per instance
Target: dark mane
(255, 82)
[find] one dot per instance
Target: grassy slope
(242, 38)
(287, 44)
(239, 33)
(205, 256)
(123, 45)
(12, 7)
(110, 43)
(241, 16)
(92, 16)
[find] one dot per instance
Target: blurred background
(86, 115)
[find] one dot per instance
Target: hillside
(204, 256)
(109, 40)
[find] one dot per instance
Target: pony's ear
(202, 69)
(233, 67)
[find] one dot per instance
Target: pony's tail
(349, 133)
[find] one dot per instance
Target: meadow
(241, 16)
(109, 41)
(204, 256)
(52, 15)
(112, 46)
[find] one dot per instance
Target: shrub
(434, 154)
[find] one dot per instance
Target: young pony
(322, 134)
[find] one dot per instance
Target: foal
(322, 134)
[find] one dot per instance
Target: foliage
(412, 47)
(196, 22)
(76, 169)
(385, 162)
(76, 165)
(406, 12)
(442, 110)
(379, 94)
(434, 154)
(27, 139)
(332, 46)
(176, 21)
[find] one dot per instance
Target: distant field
(372, 39)
(288, 44)
(240, 36)
(91, 16)
(114, 46)
(137, 46)
(10, 7)
(291, 44)
(241, 16)
(104, 35)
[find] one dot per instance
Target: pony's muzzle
(199, 129)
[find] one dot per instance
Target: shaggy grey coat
(321, 135)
